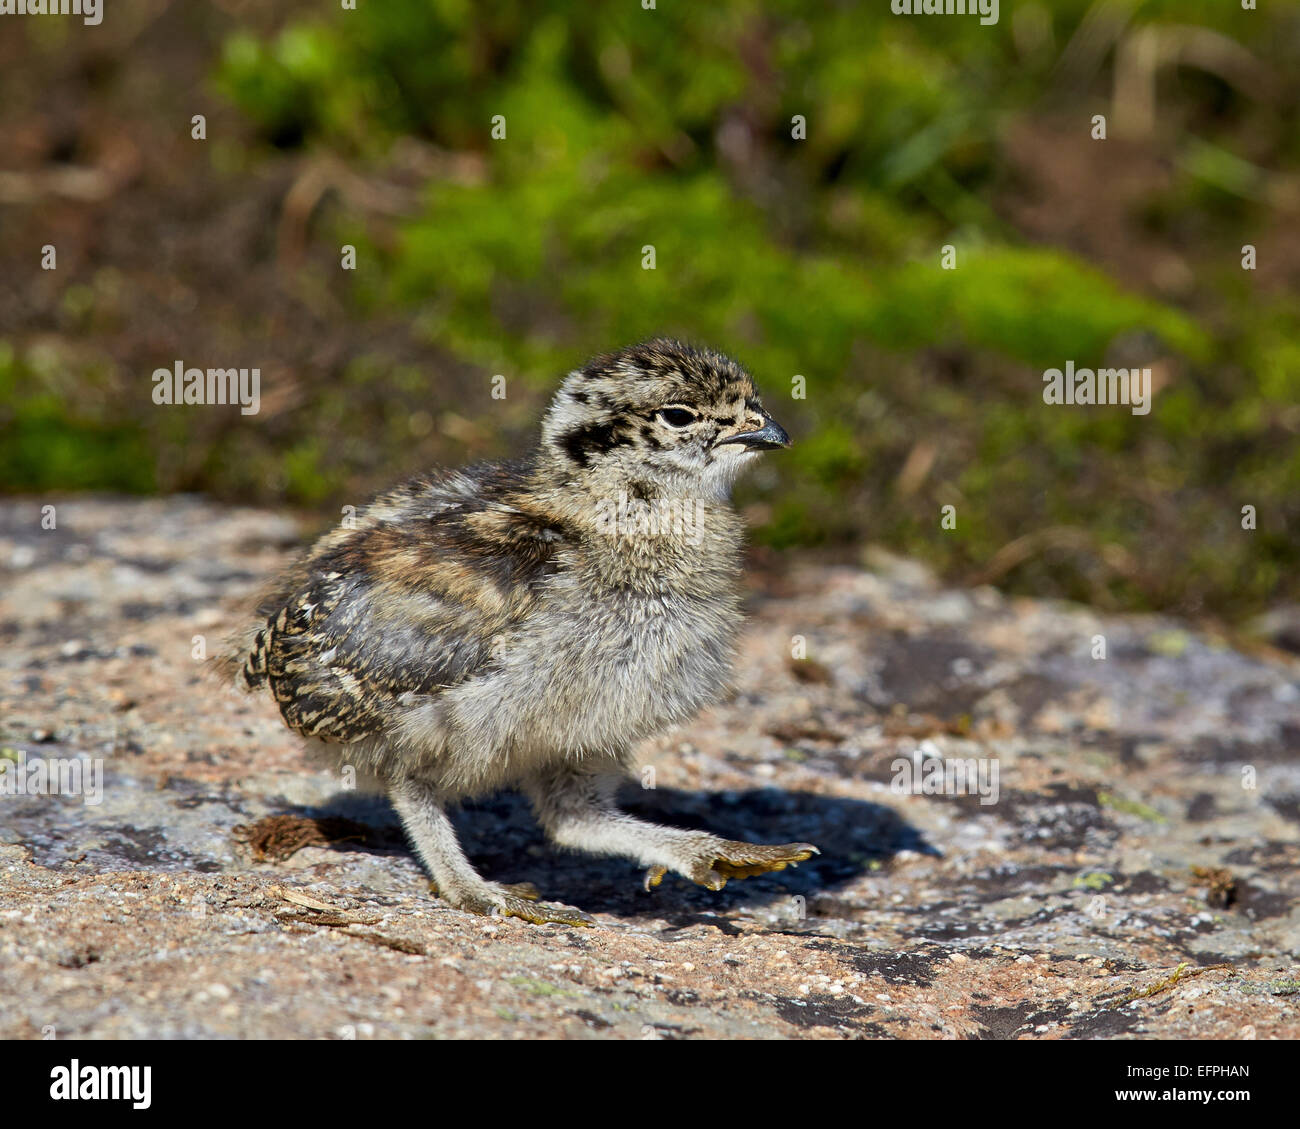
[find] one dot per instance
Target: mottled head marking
(662, 413)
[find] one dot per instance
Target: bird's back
(405, 602)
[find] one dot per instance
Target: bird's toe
(540, 913)
(745, 860)
(520, 900)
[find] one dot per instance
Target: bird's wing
(409, 602)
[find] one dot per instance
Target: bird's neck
(647, 535)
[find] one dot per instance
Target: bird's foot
(527, 907)
(725, 858)
(519, 900)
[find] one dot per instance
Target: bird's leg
(577, 810)
(455, 880)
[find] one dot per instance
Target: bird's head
(678, 419)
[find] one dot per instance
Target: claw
(745, 860)
(519, 900)
(654, 876)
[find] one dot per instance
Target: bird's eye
(676, 417)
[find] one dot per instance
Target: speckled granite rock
(1136, 875)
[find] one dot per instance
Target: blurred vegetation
(818, 257)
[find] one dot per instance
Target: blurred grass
(816, 257)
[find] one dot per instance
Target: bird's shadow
(505, 844)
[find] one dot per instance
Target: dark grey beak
(770, 437)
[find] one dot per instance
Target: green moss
(1129, 807)
(539, 987)
(56, 436)
(1282, 987)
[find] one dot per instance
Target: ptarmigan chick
(525, 624)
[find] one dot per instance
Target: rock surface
(1134, 875)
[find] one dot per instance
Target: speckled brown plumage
(408, 602)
